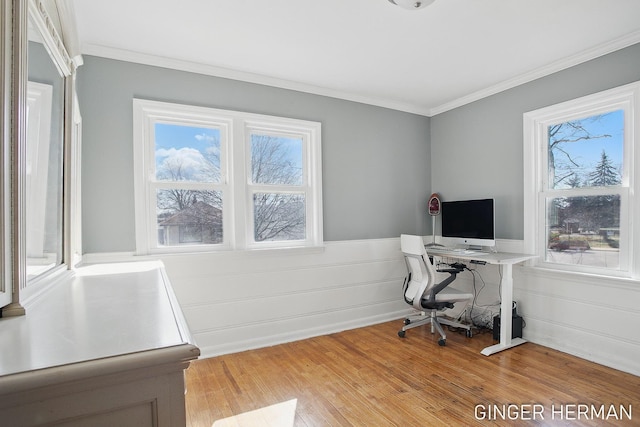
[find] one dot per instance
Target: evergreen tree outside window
(579, 159)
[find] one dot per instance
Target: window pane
(276, 160)
(189, 217)
(279, 217)
(584, 230)
(186, 153)
(586, 152)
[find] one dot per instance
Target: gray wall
(477, 148)
(376, 177)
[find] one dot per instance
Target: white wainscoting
(591, 317)
(237, 301)
(242, 300)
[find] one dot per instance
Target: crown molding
(45, 23)
(568, 62)
(227, 73)
(69, 34)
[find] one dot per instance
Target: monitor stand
(433, 233)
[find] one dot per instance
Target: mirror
(39, 183)
(38, 148)
(44, 158)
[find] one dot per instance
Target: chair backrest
(422, 274)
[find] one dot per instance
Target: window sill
(93, 258)
(284, 250)
(582, 277)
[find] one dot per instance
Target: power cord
(485, 319)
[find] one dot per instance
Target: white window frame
(310, 185)
(536, 189)
(235, 173)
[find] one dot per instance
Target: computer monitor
(469, 222)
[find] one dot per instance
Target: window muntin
(215, 179)
(579, 181)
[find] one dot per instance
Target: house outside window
(579, 163)
(210, 179)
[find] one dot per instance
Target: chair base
(436, 323)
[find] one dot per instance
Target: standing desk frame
(506, 261)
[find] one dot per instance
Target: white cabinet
(108, 347)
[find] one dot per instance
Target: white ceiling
(424, 61)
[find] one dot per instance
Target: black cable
(474, 304)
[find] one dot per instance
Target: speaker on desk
(516, 324)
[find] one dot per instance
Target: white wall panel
(235, 301)
(246, 336)
(588, 316)
(200, 288)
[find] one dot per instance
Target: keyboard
(441, 250)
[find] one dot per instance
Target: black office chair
(424, 294)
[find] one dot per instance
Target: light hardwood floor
(371, 377)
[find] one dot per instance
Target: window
(579, 164)
(211, 179)
(277, 186)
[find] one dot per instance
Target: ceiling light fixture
(412, 4)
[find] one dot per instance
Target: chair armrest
(449, 270)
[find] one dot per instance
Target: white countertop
(105, 310)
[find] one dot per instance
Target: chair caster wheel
(401, 334)
(469, 333)
(407, 321)
(442, 342)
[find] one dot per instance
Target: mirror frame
(39, 12)
(6, 135)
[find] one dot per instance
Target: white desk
(506, 260)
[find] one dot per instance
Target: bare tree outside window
(571, 144)
(211, 180)
(584, 159)
(279, 216)
(185, 155)
(194, 216)
(276, 162)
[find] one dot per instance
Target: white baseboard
(602, 349)
(296, 335)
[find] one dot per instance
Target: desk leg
(506, 286)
